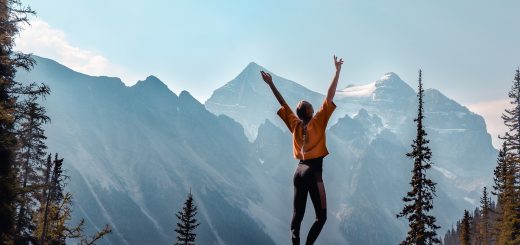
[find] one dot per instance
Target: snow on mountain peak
(389, 80)
(357, 90)
(389, 76)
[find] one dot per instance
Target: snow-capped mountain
(249, 101)
(389, 97)
(374, 118)
(134, 153)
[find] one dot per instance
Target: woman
(309, 147)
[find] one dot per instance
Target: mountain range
(134, 152)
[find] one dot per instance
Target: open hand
(267, 77)
(338, 63)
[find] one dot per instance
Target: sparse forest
(36, 204)
(35, 208)
(497, 223)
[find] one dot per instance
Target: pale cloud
(42, 39)
(492, 112)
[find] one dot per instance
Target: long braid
(304, 128)
(301, 110)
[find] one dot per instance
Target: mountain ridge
(134, 154)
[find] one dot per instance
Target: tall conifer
(419, 201)
(465, 234)
(188, 222)
(484, 222)
(507, 172)
(12, 14)
(30, 157)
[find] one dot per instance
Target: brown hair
(301, 110)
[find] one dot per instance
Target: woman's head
(304, 110)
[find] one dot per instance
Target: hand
(338, 63)
(267, 77)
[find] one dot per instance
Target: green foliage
(55, 211)
(419, 201)
(12, 13)
(188, 223)
(507, 172)
(30, 156)
(465, 229)
(501, 224)
(484, 225)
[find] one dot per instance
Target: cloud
(492, 112)
(41, 39)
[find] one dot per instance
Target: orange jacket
(314, 146)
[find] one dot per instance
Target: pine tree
(12, 14)
(476, 225)
(500, 172)
(419, 201)
(484, 222)
(51, 202)
(465, 233)
(30, 157)
(451, 237)
(499, 187)
(507, 172)
(188, 222)
(511, 118)
(52, 221)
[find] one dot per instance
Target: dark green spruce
(30, 156)
(465, 233)
(12, 14)
(484, 229)
(186, 227)
(507, 172)
(419, 201)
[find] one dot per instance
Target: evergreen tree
(499, 190)
(511, 118)
(30, 157)
(465, 229)
(451, 237)
(507, 172)
(419, 201)
(188, 222)
(484, 224)
(53, 199)
(500, 172)
(12, 14)
(476, 225)
(56, 210)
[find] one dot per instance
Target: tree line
(497, 223)
(35, 208)
(492, 223)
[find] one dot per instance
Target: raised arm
(269, 80)
(334, 84)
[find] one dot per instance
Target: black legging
(308, 179)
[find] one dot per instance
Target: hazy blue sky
(467, 49)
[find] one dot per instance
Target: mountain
(133, 154)
(369, 134)
(249, 101)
